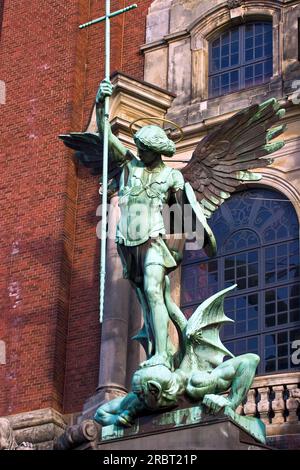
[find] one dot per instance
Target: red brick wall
(37, 64)
(48, 248)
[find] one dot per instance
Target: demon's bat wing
(203, 330)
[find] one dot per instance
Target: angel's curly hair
(154, 138)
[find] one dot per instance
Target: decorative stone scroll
(7, 439)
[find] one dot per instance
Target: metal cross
(106, 18)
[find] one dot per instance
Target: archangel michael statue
(149, 251)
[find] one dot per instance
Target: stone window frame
(214, 23)
(239, 68)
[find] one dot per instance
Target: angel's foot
(215, 403)
(157, 360)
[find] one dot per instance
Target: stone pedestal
(219, 434)
(185, 428)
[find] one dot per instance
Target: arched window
(240, 58)
(257, 234)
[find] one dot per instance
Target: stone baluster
(278, 405)
(250, 406)
(296, 394)
(263, 405)
(292, 404)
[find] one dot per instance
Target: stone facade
(192, 24)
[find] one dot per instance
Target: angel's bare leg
(154, 278)
(148, 327)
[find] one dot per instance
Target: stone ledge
(276, 379)
(131, 100)
(39, 427)
(188, 427)
(186, 415)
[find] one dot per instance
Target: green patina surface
(196, 370)
(254, 426)
(117, 432)
(180, 417)
(201, 376)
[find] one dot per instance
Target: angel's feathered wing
(204, 348)
(88, 148)
(222, 159)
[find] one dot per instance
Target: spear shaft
(105, 163)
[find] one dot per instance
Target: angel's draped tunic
(140, 233)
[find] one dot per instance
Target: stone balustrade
(275, 399)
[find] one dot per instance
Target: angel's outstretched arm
(121, 154)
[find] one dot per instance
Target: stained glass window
(257, 234)
(240, 58)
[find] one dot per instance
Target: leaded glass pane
(248, 50)
(278, 350)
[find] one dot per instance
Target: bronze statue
(201, 372)
(220, 162)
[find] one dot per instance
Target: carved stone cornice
(131, 100)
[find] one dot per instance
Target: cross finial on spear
(106, 18)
